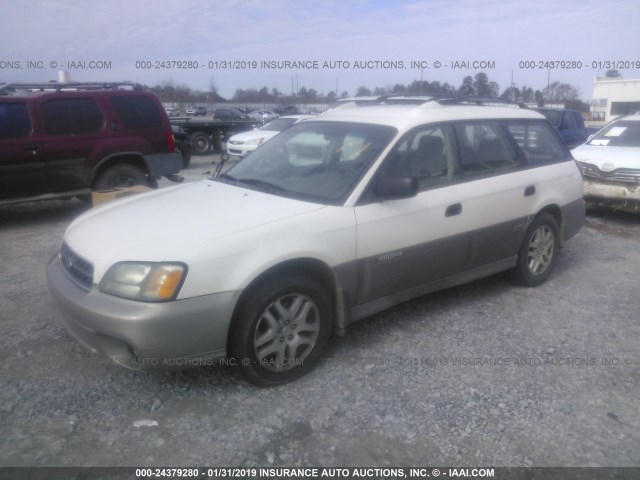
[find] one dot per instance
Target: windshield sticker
(615, 132)
(600, 142)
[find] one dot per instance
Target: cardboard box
(104, 196)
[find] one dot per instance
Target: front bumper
(144, 336)
(240, 150)
(616, 195)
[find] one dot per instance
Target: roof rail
(58, 86)
(442, 99)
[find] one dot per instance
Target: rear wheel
(280, 333)
(200, 142)
(121, 176)
(538, 252)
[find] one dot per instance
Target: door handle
(530, 190)
(30, 148)
(453, 210)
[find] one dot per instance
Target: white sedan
(246, 142)
(610, 163)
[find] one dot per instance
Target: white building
(613, 97)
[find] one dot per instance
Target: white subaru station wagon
(337, 218)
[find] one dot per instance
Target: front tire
(282, 330)
(538, 252)
(121, 176)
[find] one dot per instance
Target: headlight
(255, 141)
(149, 282)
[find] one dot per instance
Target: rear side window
(14, 120)
(537, 141)
(483, 149)
(71, 116)
(136, 111)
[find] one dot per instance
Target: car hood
(253, 134)
(608, 158)
(161, 225)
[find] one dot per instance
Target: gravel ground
(485, 374)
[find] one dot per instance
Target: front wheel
(280, 333)
(538, 252)
(121, 176)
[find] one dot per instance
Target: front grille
(77, 268)
(235, 152)
(623, 175)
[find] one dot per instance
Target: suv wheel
(538, 252)
(184, 149)
(121, 176)
(200, 142)
(281, 331)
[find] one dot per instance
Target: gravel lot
(486, 374)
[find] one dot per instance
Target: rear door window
(136, 111)
(483, 149)
(71, 116)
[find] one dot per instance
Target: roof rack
(442, 99)
(59, 86)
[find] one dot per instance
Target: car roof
(634, 117)
(22, 95)
(406, 116)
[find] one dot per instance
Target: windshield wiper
(254, 182)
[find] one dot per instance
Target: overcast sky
(118, 33)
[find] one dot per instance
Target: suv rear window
(71, 116)
(14, 120)
(136, 111)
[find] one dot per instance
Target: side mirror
(396, 188)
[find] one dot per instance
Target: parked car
(245, 142)
(229, 114)
(263, 115)
(172, 111)
(64, 143)
(569, 123)
(197, 111)
(610, 163)
(329, 222)
(288, 110)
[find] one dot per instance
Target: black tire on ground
(119, 176)
(281, 331)
(184, 149)
(539, 251)
(200, 143)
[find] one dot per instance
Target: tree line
(478, 86)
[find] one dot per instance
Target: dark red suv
(70, 141)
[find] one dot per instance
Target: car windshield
(319, 162)
(279, 124)
(618, 134)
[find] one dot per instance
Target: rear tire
(184, 149)
(121, 176)
(539, 251)
(281, 331)
(200, 143)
